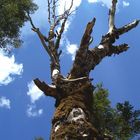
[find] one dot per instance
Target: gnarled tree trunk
(73, 115)
(74, 93)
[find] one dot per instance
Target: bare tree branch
(112, 16)
(82, 52)
(47, 90)
(49, 48)
(60, 33)
(50, 43)
(110, 38)
(30, 20)
(53, 11)
(86, 59)
(106, 47)
(100, 52)
(41, 36)
(118, 49)
(54, 45)
(49, 11)
(63, 17)
(127, 27)
(85, 42)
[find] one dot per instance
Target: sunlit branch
(87, 59)
(112, 16)
(127, 27)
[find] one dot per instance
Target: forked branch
(52, 42)
(63, 18)
(106, 47)
(41, 37)
(78, 69)
(83, 64)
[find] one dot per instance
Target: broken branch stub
(78, 70)
(47, 90)
(87, 34)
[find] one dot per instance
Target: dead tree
(74, 93)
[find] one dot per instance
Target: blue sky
(24, 111)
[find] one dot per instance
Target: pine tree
(119, 123)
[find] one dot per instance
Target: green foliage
(12, 18)
(121, 122)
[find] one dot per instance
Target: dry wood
(74, 94)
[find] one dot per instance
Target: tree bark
(73, 118)
(73, 115)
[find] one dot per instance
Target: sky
(25, 113)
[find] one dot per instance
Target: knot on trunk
(75, 126)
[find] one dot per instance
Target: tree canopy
(13, 14)
(121, 122)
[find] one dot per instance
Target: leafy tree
(121, 122)
(13, 14)
(129, 120)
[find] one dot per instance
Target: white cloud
(64, 5)
(125, 4)
(103, 2)
(71, 49)
(92, 1)
(34, 92)
(4, 102)
(33, 112)
(40, 17)
(8, 68)
(108, 3)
